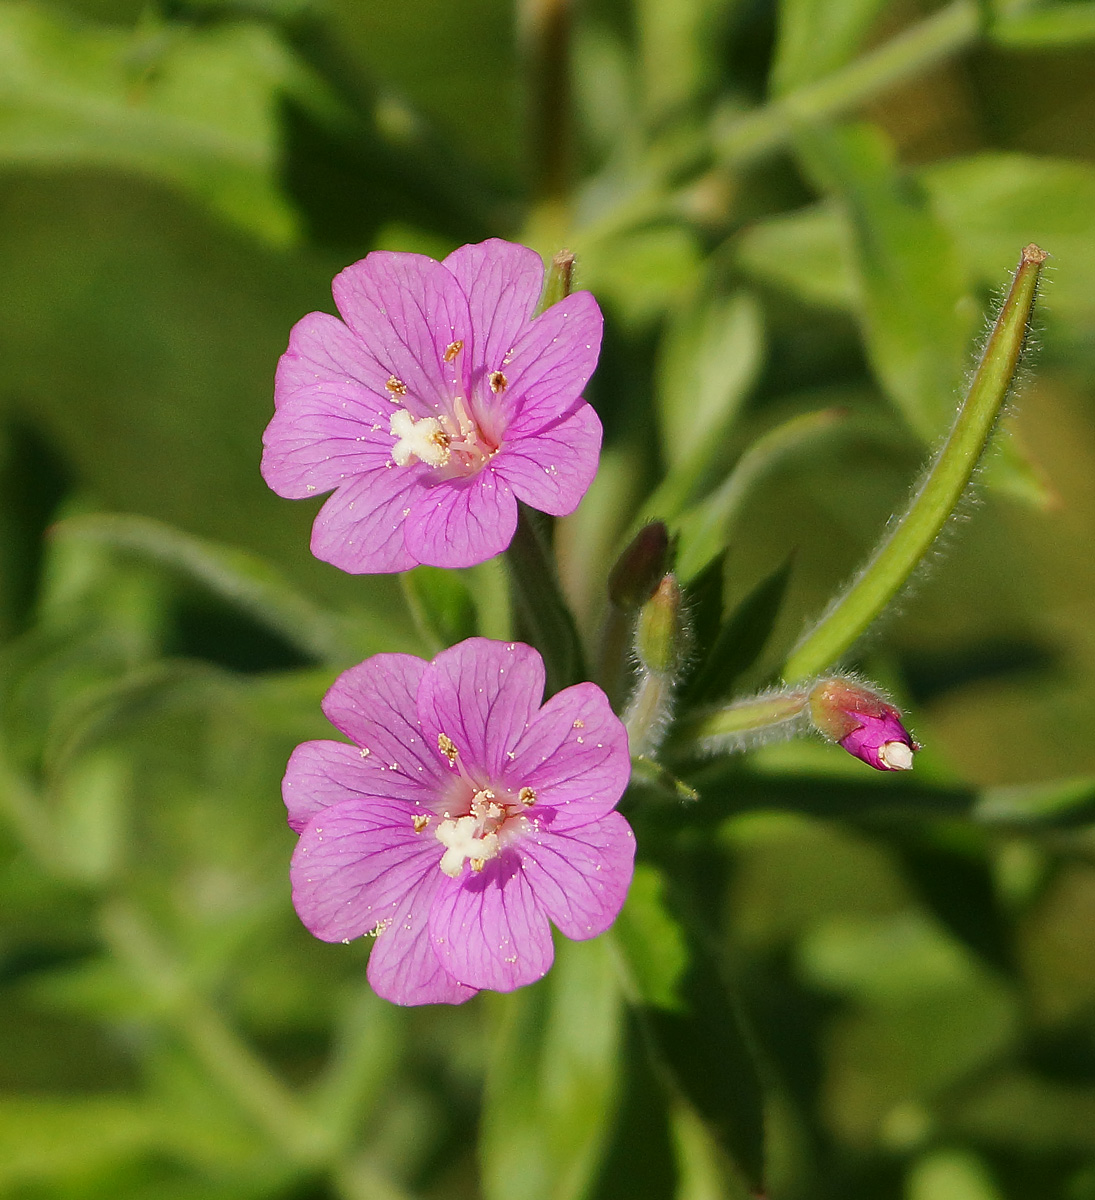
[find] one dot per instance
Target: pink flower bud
(863, 723)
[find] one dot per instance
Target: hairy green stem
(911, 537)
(711, 731)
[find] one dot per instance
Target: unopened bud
(638, 571)
(862, 723)
(661, 634)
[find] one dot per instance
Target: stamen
(498, 382)
(452, 350)
(420, 821)
(527, 796)
(396, 386)
(447, 747)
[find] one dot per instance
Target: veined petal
(553, 360)
(354, 864)
(360, 528)
(408, 309)
(322, 774)
(461, 522)
(551, 467)
(502, 282)
(574, 756)
(487, 929)
(374, 704)
(323, 435)
(482, 694)
(403, 966)
(324, 350)
(580, 876)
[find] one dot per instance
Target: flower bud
(661, 634)
(863, 723)
(638, 571)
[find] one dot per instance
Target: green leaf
(196, 108)
(816, 37)
(802, 252)
(707, 528)
(950, 1175)
(442, 605)
(995, 202)
(1067, 24)
(551, 1085)
(47, 1139)
(1056, 803)
(242, 578)
(741, 639)
(709, 359)
(651, 941)
(140, 338)
(914, 304)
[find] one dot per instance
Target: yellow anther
(452, 350)
(527, 796)
(420, 822)
(498, 382)
(396, 386)
(447, 747)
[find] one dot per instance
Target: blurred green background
(825, 984)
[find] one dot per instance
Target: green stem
(918, 48)
(545, 28)
(648, 713)
(711, 731)
(538, 604)
(911, 537)
(244, 1076)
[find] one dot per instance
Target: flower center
(493, 819)
(450, 440)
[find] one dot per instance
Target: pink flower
(462, 818)
(433, 406)
(863, 723)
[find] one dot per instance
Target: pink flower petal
(461, 522)
(374, 704)
(482, 694)
(323, 350)
(487, 929)
(355, 863)
(553, 361)
(403, 966)
(580, 876)
(574, 756)
(408, 309)
(552, 468)
(322, 436)
(360, 528)
(502, 282)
